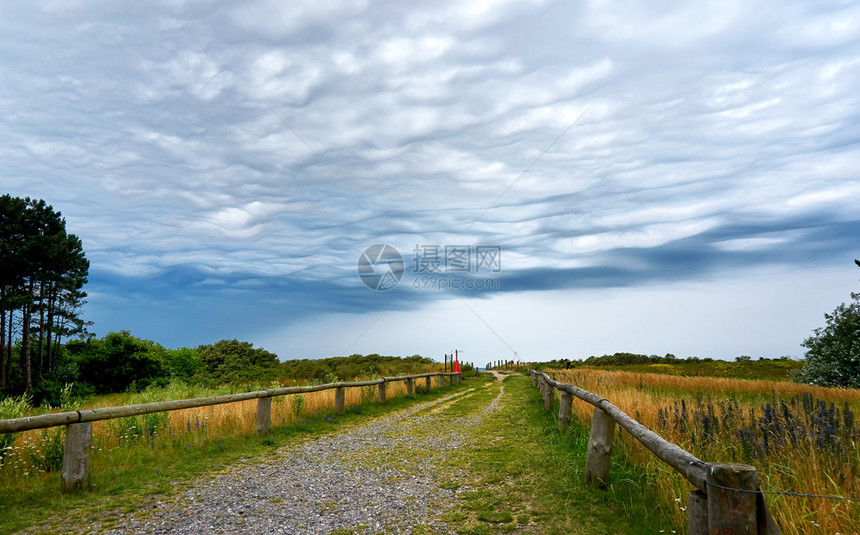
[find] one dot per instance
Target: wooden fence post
(450, 380)
(264, 415)
(697, 513)
(731, 512)
(564, 408)
(382, 393)
(429, 386)
(534, 379)
(599, 448)
(410, 390)
(548, 396)
(339, 396)
(441, 380)
(76, 457)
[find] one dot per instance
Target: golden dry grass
(805, 467)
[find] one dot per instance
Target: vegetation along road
(483, 458)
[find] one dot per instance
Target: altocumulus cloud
(228, 162)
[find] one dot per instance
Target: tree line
(121, 362)
(42, 272)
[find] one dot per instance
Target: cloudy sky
(604, 175)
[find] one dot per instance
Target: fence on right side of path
(727, 499)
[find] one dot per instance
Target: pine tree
(42, 273)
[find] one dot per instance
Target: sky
(527, 179)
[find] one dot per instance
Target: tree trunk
(40, 353)
(26, 361)
(2, 342)
(10, 335)
(52, 303)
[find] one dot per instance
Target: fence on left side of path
(75, 473)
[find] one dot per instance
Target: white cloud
(646, 236)
(730, 127)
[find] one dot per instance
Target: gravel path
(380, 477)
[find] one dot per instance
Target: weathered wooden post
(339, 396)
(382, 393)
(76, 457)
(534, 379)
(599, 448)
(697, 513)
(410, 390)
(450, 380)
(264, 415)
(441, 380)
(429, 386)
(731, 511)
(564, 408)
(548, 396)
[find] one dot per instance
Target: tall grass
(800, 438)
(120, 443)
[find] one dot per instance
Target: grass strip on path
(523, 475)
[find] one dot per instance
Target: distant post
(264, 415)
(564, 408)
(409, 388)
(429, 386)
(548, 396)
(382, 393)
(599, 448)
(339, 396)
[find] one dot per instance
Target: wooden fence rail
(76, 453)
(727, 498)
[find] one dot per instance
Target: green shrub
(11, 407)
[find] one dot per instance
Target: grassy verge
(800, 438)
(525, 476)
(125, 479)
(770, 370)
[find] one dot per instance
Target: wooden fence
(727, 499)
(76, 454)
(506, 364)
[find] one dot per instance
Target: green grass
(528, 476)
(130, 478)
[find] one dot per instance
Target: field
(800, 438)
(768, 369)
